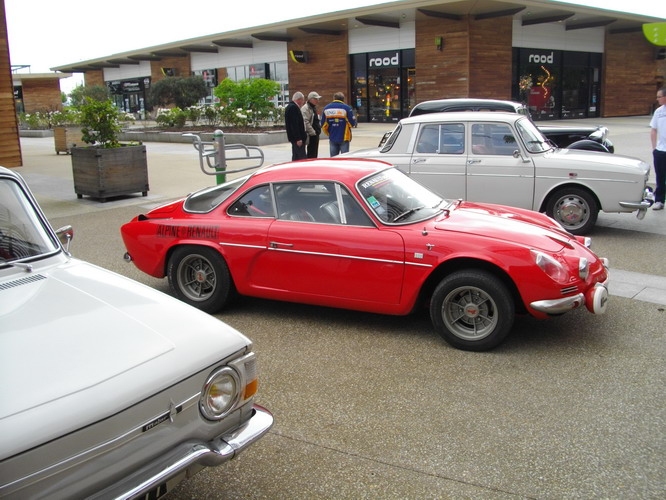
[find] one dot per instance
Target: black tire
(200, 277)
(472, 310)
(574, 208)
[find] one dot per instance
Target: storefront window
(130, 95)
(383, 85)
(557, 84)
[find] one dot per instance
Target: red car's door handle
(275, 244)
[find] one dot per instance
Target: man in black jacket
(293, 121)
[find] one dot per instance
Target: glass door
(384, 95)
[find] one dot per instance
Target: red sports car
(359, 234)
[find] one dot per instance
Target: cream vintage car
(108, 388)
(502, 158)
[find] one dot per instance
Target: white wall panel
(555, 36)
(127, 71)
(377, 38)
(261, 52)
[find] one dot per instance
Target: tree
(95, 92)
(250, 98)
(179, 91)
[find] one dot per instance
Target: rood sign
(379, 62)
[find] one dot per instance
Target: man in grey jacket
(312, 125)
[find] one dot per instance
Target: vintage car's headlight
(550, 266)
(220, 393)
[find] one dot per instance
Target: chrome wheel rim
(571, 211)
(196, 278)
(470, 313)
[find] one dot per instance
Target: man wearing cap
(312, 125)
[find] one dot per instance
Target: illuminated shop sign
(384, 59)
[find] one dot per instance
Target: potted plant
(106, 168)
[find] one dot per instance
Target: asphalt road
(371, 406)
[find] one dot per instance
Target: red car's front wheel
(472, 310)
(200, 277)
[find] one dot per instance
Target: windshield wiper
(20, 265)
(407, 213)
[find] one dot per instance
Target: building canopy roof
(528, 12)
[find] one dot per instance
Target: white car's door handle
(419, 160)
(473, 161)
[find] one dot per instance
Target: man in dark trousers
(312, 125)
(293, 121)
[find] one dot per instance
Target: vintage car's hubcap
(469, 313)
(571, 210)
(196, 277)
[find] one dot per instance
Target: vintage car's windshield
(398, 199)
(207, 199)
(22, 232)
(534, 140)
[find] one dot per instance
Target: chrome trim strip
(221, 243)
(589, 179)
(353, 257)
(342, 256)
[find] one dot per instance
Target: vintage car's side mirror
(65, 235)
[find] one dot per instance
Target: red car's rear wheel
(200, 277)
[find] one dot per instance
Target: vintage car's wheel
(472, 310)
(574, 208)
(199, 276)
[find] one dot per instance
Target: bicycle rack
(215, 155)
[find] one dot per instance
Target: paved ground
(370, 406)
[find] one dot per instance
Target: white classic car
(502, 158)
(108, 388)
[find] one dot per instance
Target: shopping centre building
(563, 60)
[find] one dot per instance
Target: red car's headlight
(550, 266)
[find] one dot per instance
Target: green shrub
(174, 117)
(100, 123)
(247, 102)
(181, 91)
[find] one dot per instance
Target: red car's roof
(348, 171)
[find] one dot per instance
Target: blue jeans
(660, 173)
(338, 148)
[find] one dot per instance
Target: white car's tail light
(220, 393)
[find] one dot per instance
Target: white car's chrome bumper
(641, 206)
(188, 460)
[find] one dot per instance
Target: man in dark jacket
(293, 121)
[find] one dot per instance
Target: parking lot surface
(371, 406)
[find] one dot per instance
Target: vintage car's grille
(568, 290)
(22, 281)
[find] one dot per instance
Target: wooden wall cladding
(627, 55)
(96, 77)
(10, 144)
(490, 58)
(442, 73)
(327, 70)
(42, 95)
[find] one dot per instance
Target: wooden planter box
(65, 138)
(107, 173)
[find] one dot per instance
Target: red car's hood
(505, 223)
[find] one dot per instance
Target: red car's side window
(255, 203)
